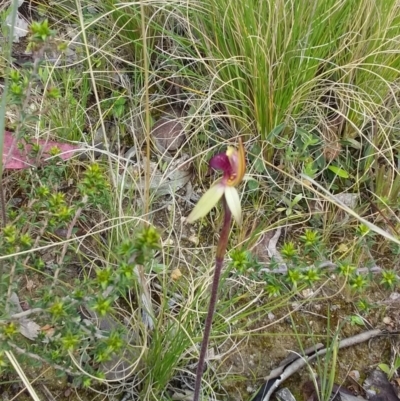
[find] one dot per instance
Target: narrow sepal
(206, 202)
(233, 202)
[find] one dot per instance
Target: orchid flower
(233, 165)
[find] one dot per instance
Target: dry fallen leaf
(355, 375)
(169, 132)
(47, 330)
(307, 293)
(28, 328)
(20, 27)
(30, 285)
(16, 158)
(176, 274)
(194, 239)
(343, 248)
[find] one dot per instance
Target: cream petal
(206, 202)
(233, 201)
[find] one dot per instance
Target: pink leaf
(15, 158)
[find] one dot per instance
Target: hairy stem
(219, 260)
(68, 236)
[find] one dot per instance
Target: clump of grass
(278, 58)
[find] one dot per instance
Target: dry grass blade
(22, 375)
(334, 199)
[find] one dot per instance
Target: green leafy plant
(59, 308)
(389, 279)
(50, 217)
(356, 320)
(290, 204)
(390, 370)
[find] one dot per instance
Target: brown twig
(284, 371)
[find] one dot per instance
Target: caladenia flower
(233, 165)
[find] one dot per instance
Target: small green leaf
(255, 156)
(309, 169)
(297, 199)
(356, 320)
(339, 171)
(352, 143)
(384, 368)
(276, 131)
(252, 184)
(259, 166)
(397, 362)
(158, 268)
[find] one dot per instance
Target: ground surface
(255, 339)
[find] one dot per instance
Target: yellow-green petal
(233, 201)
(206, 202)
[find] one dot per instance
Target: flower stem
(219, 260)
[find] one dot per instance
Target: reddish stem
(219, 260)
